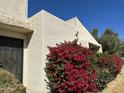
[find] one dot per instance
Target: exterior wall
(16, 9)
(84, 36)
(48, 30)
(56, 30)
(13, 16)
(35, 56)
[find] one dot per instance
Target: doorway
(11, 55)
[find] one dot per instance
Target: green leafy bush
(9, 83)
(107, 67)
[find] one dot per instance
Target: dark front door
(11, 55)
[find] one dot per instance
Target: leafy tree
(110, 42)
(121, 47)
(95, 34)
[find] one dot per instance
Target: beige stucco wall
(13, 15)
(16, 9)
(48, 30)
(84, 36)
(35, 58)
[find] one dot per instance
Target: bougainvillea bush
(68, 69)
(72, 68)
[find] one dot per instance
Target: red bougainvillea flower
(118, 63)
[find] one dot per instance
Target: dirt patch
(117, 85)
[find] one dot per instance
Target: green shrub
(107, 67)
(9, 83)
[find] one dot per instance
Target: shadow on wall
(29, 37)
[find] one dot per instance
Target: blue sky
(99, 14)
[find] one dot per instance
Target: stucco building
(24, 41)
